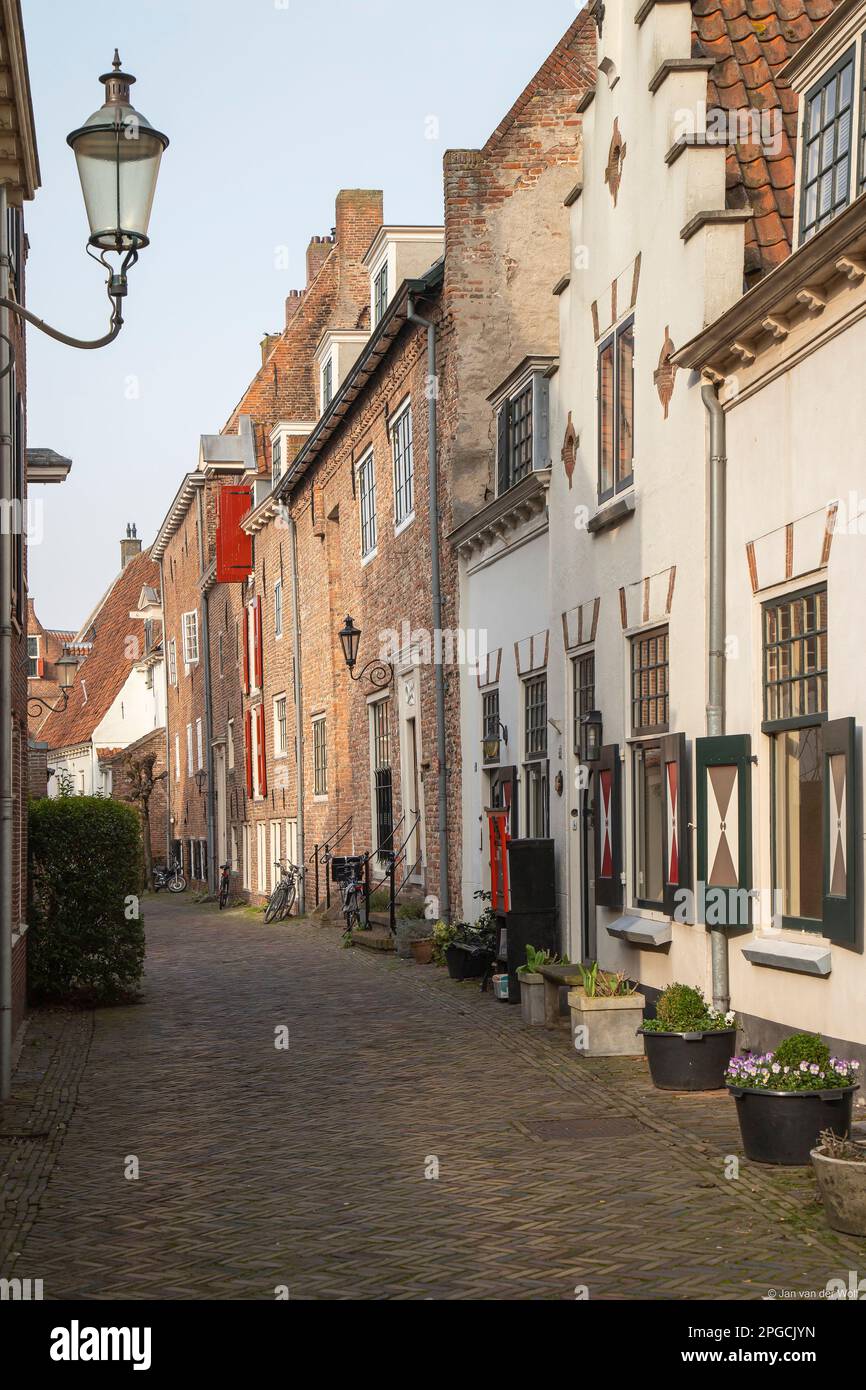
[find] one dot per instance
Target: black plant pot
(466, 962)
(783, 1126)
(689, 1061)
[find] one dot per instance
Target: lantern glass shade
(118, 154)
(591, 729)
(350, 637)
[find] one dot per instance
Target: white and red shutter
(248, 751)
(677, 871)
(839, 906)
(608, 828)
(246, 649)
(257, 631)
(261, 753)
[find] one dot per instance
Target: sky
(271, 107)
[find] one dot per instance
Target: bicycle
(282, 900)
(225, 885)
(170, 877)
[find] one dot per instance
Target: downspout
(436, 585)
(299, 709)
(208, 723)
(169, 781)
(716, 644)
(6, 784)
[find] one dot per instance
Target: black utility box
(524, 929)
(532, 876)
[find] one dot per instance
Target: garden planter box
(842, 1185)
(783, 1126)
(532, 999)
(466, 962)
(689, 1061)
(611, 1025)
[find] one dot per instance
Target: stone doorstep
(373, 940)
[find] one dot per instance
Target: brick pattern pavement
(305, 1168)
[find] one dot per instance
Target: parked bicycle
(170, 877)
(282, 900)
(225, 885)
(348, 874)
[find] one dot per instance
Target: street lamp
(118, 154)
(381, 672)
(590, 732)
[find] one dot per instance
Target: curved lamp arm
(380, 673)
(116, 324)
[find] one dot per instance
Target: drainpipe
(169, 780)
(6, 784)
(212, 880)
(436, 584)
(299, 708)
(716, 643)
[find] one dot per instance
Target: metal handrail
(322, 854)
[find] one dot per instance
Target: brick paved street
(262, 1167)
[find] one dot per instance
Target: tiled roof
(103, 672)
(750, 40)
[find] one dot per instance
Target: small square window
(649, 678)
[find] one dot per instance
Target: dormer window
(380, 293)
(327, 384)
(277, 459)
(826, 150)
(522, 426)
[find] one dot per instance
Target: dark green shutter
(724, 803)
(839, 831)
(503, 421)
(607, 815)
(677, 841)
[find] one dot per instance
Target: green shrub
(802, 1047)
(683, 1009)
(380, 901)
(86, 937)
(412, 911)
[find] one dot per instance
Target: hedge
(86, 934)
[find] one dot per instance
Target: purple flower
(815, 1069)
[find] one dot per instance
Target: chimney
(294, 299)
(130, 546)
(318, 251)
(267, 345)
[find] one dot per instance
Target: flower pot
(409, 929)
(783, 1126)
(606, 1026)
(532, 999)
(689, 1061)
(422, 951)
(842, 1185)
(466, 962)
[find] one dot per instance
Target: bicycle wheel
(290, 898)
(351, 911)
(275, 903)
(224, 893)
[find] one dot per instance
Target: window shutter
(677, 870)
(40, 666)
(503, 421)
(724, 791)
(608, 828)
(262, 755)
(540, 422)
(234, 548)
(257, 619)
(246, 649)
(248, 751)
(840, 843)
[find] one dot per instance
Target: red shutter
(234, 548)
(248, 750)
(257, 617)
(263, 761)
(40, 666)
(246, 650)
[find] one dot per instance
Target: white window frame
(276, 851)
(245, 846)
(190, 767)
(233, 848)
(278, 610)
(230, 745)
(190, 637)
(403, 517)
(281, 749)
(276, 459)
(291, 840)
(367, 506)
(34, 656)
(251, 645)
(199, 744)
(262, 876)
(317, 721)
(172, 662)
(177, 757)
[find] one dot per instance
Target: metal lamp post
(590, 736)
(379, 671)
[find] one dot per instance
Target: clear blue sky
(271, 107)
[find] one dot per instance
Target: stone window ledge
(612, 513)
(779, 954)
(641, 931)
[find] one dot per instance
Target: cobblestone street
(261, 1168)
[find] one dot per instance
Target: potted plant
(532, 985)
(605, 1013)
(472, 948)
(840, 1170)
(787, 1098)
(422, 950)
(411, 925)
(688, 1044)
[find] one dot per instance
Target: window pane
(521, 434)
(795, 657)
(798, 831)
(605, 388)
(625, 343)
(649, 825)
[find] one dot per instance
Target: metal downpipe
(716, 644)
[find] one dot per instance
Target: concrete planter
(532, 999)
(606, 1027)
(842, 1185)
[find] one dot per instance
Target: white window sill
(368, 559)
(278, 754)
(321, 798)
(401, 526)
(776, 953)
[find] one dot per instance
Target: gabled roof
(750, 41)
(102, 674)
